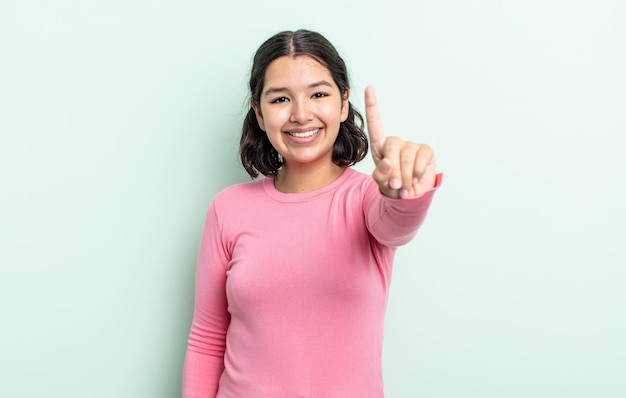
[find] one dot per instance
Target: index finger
(372, 116)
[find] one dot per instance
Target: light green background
(119, 122)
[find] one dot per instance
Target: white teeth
(305, 134)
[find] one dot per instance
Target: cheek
(276, 119)
(332, 115)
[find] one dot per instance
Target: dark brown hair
(256, 152)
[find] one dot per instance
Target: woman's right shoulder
(238, 194)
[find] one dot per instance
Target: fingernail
(395, 183)
(404, 193)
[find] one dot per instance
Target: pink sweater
(291, 290)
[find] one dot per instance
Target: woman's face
(300, 109)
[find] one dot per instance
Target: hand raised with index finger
(403, 169)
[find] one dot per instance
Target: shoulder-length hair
(256, 152)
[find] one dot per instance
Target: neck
(293, 179)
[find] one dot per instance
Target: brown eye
(279, 99)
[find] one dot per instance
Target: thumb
(382, 176)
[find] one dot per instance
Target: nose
(300, 112)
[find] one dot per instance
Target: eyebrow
(273, 90)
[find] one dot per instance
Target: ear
(345, 105)
(259, 116)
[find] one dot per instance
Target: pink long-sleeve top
(291, 290)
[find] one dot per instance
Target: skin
(300, 96)
(404, 169)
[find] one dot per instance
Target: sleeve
(204, 359)
(394, 222)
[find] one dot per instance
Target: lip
(303, 134)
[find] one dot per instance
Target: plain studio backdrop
(120, 120)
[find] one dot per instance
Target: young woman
(294, 268)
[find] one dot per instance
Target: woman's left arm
(395, 221)
(406, 176)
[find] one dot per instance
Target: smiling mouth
(303, 134)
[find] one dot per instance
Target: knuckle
(406, 161)
(426, 149)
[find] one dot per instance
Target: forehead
(293, 72)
